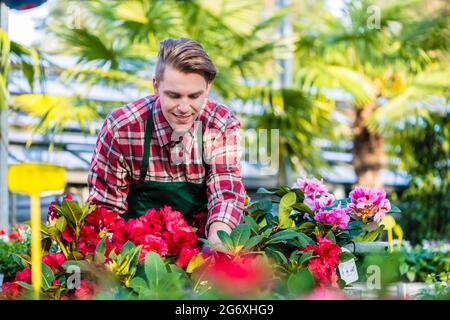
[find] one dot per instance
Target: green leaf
(47, 276)
(300, 282)
(240, 235)
(403, 268)
(300, 195)
(254, 227)
(330, 236)
(100, 251)
(87, 209)
(276, 255)
(254, 241)
(264, 191)
(155, 270)
(282, 236)
(411, 275)
(226, 239)
(395, 209)
(355, 225)
(307, 226)
(302, 208)
(285, 208)
(264, 205)
(127, 248)
(25, 285)
(304, 240)
(61, 224)
(305, 257)
(138, 284)
(73, 211)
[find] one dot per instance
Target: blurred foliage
(8, 265)
(116, 42)
(425, 265)
(423, 148)
(392, 61)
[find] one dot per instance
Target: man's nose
(184, 107)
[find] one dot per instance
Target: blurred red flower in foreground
(243, 276)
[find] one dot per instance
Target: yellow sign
(33, 179)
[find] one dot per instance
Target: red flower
(86, 291)
(11, 290)
(155, 244)
(186, 254)
(68, 196)
(239, 276)
(13, 235)
(68, 234)
(200, 223)
(54, 261)
(52, 214)
(88, 240)
(24, 275)
(323, 268)
(2, 232)
(175, 221)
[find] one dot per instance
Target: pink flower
(310, 187)
(336, 217)
(369, 204)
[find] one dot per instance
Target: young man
(174, 148)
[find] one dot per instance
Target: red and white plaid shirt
(118, 154)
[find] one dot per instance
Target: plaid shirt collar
(165, 133)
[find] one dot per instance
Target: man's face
(182, 96)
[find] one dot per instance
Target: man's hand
(213, 238)
(213, 228)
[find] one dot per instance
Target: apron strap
(148, 138)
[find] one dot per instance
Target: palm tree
(116, 43)
(384, 69)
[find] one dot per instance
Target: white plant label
(348, 271)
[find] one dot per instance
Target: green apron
(185, 197)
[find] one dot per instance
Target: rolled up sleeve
(108, 178)
(225, 190)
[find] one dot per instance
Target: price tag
(348, 271)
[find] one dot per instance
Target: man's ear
(155, 86)
(208, 87)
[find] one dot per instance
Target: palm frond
(55, 112)
(320, 77)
